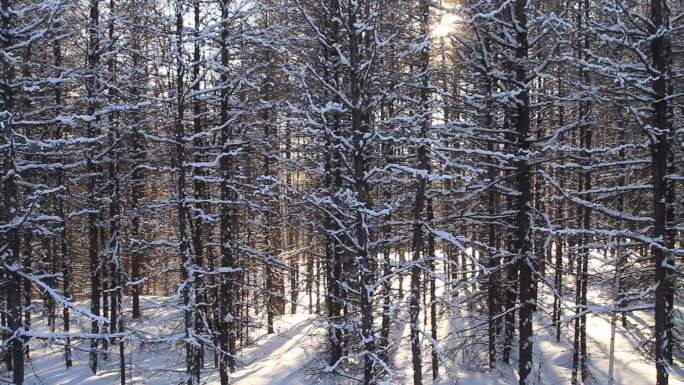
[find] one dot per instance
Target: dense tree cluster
(241, 159)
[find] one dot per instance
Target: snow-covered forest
(328, 192)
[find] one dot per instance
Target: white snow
(295, 354)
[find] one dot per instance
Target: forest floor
(295, 353)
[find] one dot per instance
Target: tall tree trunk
(28, 256)
(616, 280)
(116, 316)
(137, 190)
(559, 240)
(512, 270)
(661, 52)
(275, 284)
(334, 263)
(584, 112)
(433, 292)
(61, 213)
(364, 257)
(228, 314)
(186, 257)
(526, 260)
(290, 234)
(493, 258)
(114, 246)
(493, 291)
(388, 151)
(10, 206)
(199, 184)
(419, 203)
(93, 231)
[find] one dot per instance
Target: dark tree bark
(512, 270)
(186, 258)
(364, 258)
(200, 189)
(26, 289)
(228, 312)
(10, 206)
(493, 259)
(661, 52)
(114, 246)
(137, 193)
(385, 323)
(493, 290)
(61, 213)
(290, 236)
(559, 241)
(93, 61)
(433, 291)
(526, 261)
(275, 284)
(334, 261)
(422, 183)
(584, 113)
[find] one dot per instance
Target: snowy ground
(295, 354)
(281, 358)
